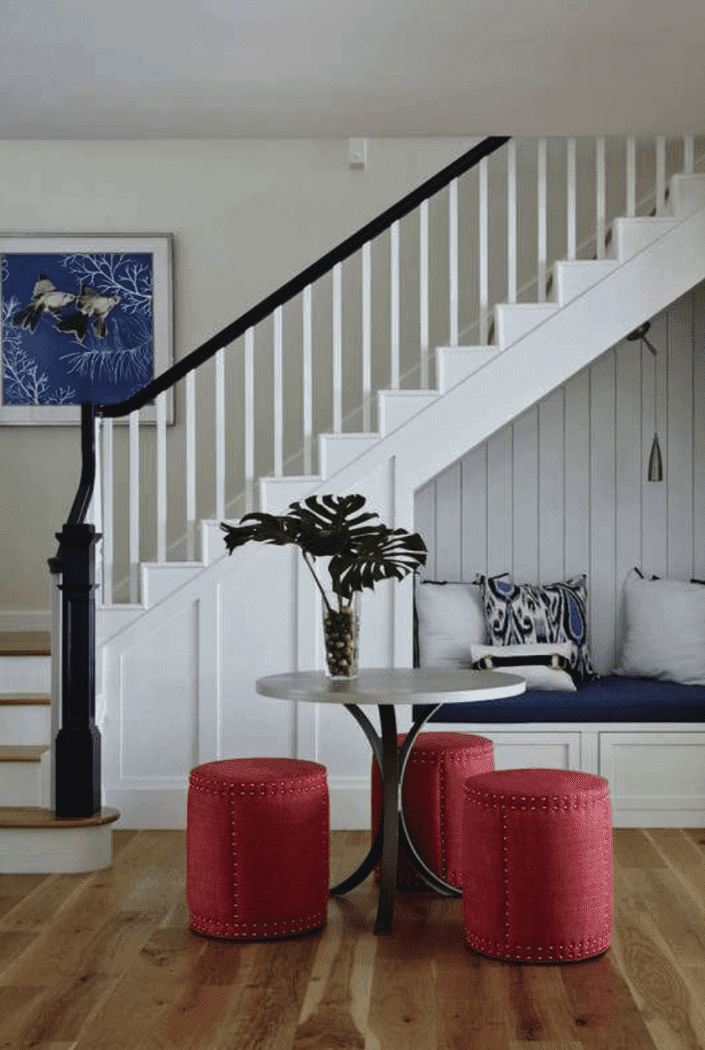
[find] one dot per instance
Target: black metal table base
(392, 834)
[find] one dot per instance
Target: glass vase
(341, 632)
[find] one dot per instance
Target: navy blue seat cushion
(610, 699)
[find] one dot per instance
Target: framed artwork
(83, 318)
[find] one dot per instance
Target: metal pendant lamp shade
(655, 469)
(655, 472)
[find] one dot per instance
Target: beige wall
(246, 216)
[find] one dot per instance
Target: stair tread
(17, 699)
(25, 643)
(22, 752)
(35, 817)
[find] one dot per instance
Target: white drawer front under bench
(656, 771)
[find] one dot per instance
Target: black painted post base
(78, 794)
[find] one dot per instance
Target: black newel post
(77, 774)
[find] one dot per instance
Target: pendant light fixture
(655, 469)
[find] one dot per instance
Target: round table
(386, 687)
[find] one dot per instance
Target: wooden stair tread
(22, 752)
(35, 817)
(16, 699)
(25, 643)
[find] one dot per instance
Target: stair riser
(395, 407)
(572, 278)
(514, 320)
(159, 581)
(631, 235)
(335, 451)
(277, 493)
(25, 783)
(42, 851)
(25, 725)
(25, 674)
(687, 195)
(453, 364)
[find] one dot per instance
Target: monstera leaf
(386, 554)
(361, 554)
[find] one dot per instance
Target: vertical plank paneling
(577, 474)
(679, 463)
(525, 526)
(698, 402)
(551, 488)
(628, 469)
(654, 520)
(425, 525)
(448, 524)
(474, 512)
(499, 502)
(601, 579)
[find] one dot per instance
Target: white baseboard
(16, 620)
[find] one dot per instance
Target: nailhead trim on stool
(438, 766)
(540, 887)
(257, 842)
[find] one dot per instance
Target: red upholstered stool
(540, 887)
(257, 841)
(438, 766)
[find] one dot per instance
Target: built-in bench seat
(609, 699)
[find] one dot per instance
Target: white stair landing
(33, 841)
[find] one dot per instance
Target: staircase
(205, 630)
(31, 839)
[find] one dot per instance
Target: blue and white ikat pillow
(519, 614)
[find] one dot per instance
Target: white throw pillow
(550, 673)
(450, 620)
(664, 632)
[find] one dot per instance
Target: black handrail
(312, 273)
(77, 771)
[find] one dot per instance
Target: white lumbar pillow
(450, 620)
(664, 632)
(548, 672)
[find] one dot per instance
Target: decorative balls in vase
(361, 554)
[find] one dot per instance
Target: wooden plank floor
(107, 962)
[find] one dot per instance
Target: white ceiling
(292, 68)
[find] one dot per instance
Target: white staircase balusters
(161, 476)
(571, 195)
(423, 294)
(600, 202)
(483, 246)
(394, 303)
(220, 432)
(190, 466)
(541, 238)
(453, 261)
(630, 172)
(134, 468)
(261, 412)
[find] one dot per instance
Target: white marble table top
(393, 686)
